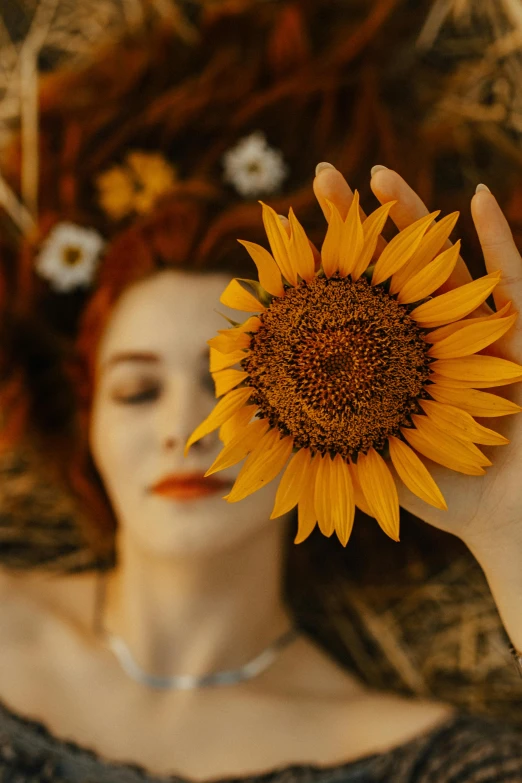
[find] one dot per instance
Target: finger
(330, 185)
(498, 247)
(316, 254)
(387, 185)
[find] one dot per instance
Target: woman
(197, 585)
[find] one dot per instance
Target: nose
(172, 443)
(185, 404)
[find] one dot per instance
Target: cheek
(119, 443)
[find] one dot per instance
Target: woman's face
(152, 389)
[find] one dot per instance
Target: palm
(478, 506)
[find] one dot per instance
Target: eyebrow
(147, 357)
(130, 356)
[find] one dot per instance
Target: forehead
(172, 314)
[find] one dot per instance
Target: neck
(195, 615)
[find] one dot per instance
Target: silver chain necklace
(185, 682)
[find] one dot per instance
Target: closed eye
(142, 396)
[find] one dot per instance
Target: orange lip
(189, 487)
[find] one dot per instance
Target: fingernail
(322, 166)
(482, 187)
(377, 168)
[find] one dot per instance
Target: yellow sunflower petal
(449, 383)
(332, 242)
(479, 370)
(343, 501)
(225, 380)
(401, 248)
(300, 250)
(237, 423)
(235, 339)
(455, 304)
(251, 324)
(464, 450)
(324, 487)
(267, 269)
(483, 384)
(306, 521)
(380, 491)
(414, 474)
(360, 500)
(262, 465)
(460, 424)
(241, 445)
(292, 483)
(224, 409)
(429, 279)
(306, 516)
(432, 242)
(236, 297)
(471, 339)
(229, 343)
(221, 361)
(279, 243)
(445, 331)
(352, 241)
(456, 383)
(440, 454)
(372, 227)
(474, 402)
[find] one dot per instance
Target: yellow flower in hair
(154, 177)
(352, 365)
(135, 186)
(116, 192)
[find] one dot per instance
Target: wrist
(498, 547)
(501, 561)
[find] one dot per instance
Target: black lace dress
(464, 748)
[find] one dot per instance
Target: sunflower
(350, 364)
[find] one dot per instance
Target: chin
(202, 526)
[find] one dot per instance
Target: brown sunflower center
(338, 365)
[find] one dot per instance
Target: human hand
(481, 509)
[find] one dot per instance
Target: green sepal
(257, 290)
(229, 320)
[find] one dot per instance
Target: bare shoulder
(357, 720)
(379, 722)
(404, 718)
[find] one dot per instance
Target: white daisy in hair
(69, 256)
(253, 167)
